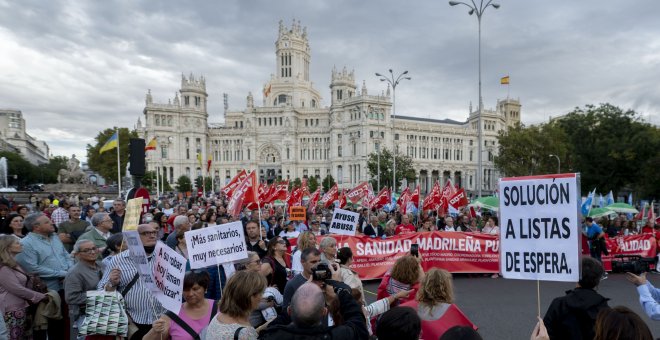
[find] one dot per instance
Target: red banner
(458, 252)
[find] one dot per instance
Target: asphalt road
(506, 309)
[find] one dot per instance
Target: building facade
(13, 138)
(291, 136)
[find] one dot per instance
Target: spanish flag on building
(112, 143)
(152, 145)
(504, 80)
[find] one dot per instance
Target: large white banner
(169, 270)
(137, 255)
(344, 222)
(539, 227)
(216, 245)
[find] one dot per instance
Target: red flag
(243, 194)
(651, 214)
(383, 197)
(368, 198)
(305, 188)
(330, 196)
(295, 198)
(641, 214)
(433, 199)
(208, 164)
(280, 192)
(405, 195)
(342, 199)
(313, 200)
(229, 188)
(447, 192)
(358, 192)
(459, 199)
(414, 197)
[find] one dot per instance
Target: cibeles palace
(292, 135)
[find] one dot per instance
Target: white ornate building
(291, 136)
(14, 138)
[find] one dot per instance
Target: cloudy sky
(76, 67)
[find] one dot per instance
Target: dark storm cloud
(75, 68)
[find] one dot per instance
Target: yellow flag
(110, 144)
(504, 80)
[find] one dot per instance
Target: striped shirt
(140, 302)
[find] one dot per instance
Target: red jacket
(433, 329)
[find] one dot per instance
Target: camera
(631, 264)
(321, 272)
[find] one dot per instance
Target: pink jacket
(13, 292)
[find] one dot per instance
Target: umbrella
(600, 212)
(487, 202)
(622, 208)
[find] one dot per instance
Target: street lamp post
(479, 10)
(558, 163)
(393, 81)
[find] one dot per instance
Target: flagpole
(118, 166)
(157, 182)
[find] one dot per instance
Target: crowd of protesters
(55, 250)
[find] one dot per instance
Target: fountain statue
(71, 179)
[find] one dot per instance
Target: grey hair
(179, 221)
(31, 220)
(327, 242)
(307, 305)
(250, 255)
(79, 243)
(98, 217)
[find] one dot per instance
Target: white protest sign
(169, 270)
(539, 227)
(139, 258)
(344, 222)
(216, 245)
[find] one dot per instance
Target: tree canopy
(404, 168)
(106, 163)
(21, 172)
(611, 148)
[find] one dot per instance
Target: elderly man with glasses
(122, 275)
(102, 224)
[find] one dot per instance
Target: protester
(271, 298)
(491, 227)
(307, 312)
(390, 228)
(254, 239)
(290, 231)
(100, 232)
(195, 313)
(649, 296)
(310, 258)
(113, 245)
(60, 214)
(399, 323)
(181, 225)
(538, 333)
(240, 297)
(274, 266)
(117, 215)
(305, 240)
(14, 226)
(434, 304)
(328, 248)
(427, 225)
(595, 235)
(374, 229)
(573, 316)
(69, 231)
(404, 276)
(449, 224)
(348, 276)
(15, 293)
(141, 306)
(315, 228)
(621, 323)
(83, 276)
(405, 227)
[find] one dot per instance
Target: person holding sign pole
(194, 315)
(142, 307)
(573, 316)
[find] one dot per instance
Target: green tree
(328, 182)
(296, 183)
(208, 184)
(48, 172)
(611, 148)
(20, 172)
(526, 151)
(404, 168)
(149, 180)
(313, 184)
(106, 164)
(183, 184)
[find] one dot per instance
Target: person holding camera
(305, 316)
(310, 258)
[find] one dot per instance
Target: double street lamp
(393, 81)
(479, 11)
